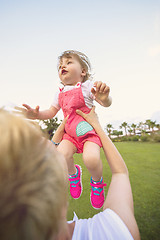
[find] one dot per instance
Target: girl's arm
(119, 197)
(41, 115)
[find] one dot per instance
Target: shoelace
(74, 180)
(97, 187)
(73, 183)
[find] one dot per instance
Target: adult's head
(33, 188)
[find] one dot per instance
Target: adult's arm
(58, 135)
(119, 197)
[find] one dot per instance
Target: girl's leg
(91, 158)
(67, 148)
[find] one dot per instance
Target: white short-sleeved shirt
(86, 91)
(106, 225)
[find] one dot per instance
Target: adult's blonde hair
(82, 58)
(33, 190)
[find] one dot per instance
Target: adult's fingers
(82, 114)
(65, 120)
(93, 109)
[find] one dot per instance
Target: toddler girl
(78, 92)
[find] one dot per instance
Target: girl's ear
(83, 74)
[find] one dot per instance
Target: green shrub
(124, 139)
(156, 137)
(113, 139)
(135, 138)
(144, 138)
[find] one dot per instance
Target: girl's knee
(67, 150)
(92, 161)
(68, 155)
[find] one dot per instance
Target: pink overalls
(78, 131)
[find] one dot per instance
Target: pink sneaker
(75, 184)
(97, 194)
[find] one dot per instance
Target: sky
(121, 39)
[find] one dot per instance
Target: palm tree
(109, 129)
(150, 125)
(143, 132)
(140, 126)
(130, 130)
(124, 125)
(153, 124)
(158, 126)
(133, 126)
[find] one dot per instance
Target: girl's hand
(30, 112)
(101, 93)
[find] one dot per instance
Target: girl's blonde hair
(33, 189)
(81, 57)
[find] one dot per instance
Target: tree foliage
(109, 129)
(49, 126)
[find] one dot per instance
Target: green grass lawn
(143, 162)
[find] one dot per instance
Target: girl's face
(70, 71)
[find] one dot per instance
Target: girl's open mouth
(64, 71)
